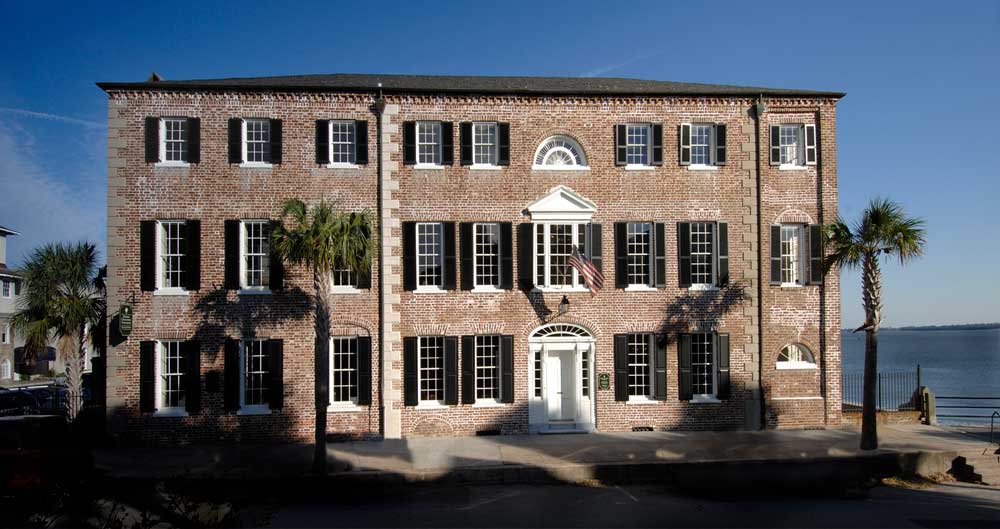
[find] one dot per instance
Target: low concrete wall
(853, 418)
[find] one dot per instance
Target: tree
(322, 239)
(64, 297)
(884, 230)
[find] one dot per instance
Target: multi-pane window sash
(6, 288)
(554, 245)
(639, 239)
(702, 364)
(430, 372)
(257, 142)
(702, 244)
(170, 376)
(430, 256)
(791, 254)
(487, 255)
(484, 143)
(794, 353)
(429, 142)
(344, 369)
(488, 367)
(537, 369)
(255, 371)
(171, 254)
(585, 374)
(701, 144)
(639, 379)
(343, 277)
(790, 140)
(637, 144)
(174, 136)
(342, 146)
(255, 254)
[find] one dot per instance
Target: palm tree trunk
(321, 347)
(872, 294)
(74, 374)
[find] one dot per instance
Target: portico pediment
(562, 203)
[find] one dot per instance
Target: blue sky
(917, 124)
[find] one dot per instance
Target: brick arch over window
(555, 134)
(591, 327)
(345, 327)
(793, 216)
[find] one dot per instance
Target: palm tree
(323, 239)
(883, 231)
(64, 298)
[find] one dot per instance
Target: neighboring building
(701, 203)
(10, 289)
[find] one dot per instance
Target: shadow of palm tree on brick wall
(702, 310)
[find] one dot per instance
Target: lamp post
(563, 309)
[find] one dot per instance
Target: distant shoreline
(959, 327)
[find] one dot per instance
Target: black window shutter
(275, 141)
(720, 144)
(364, 280)
(775, 254)
(621, 145)
(231, 375)
(815, 254)
(659, 346)
(621, 367)
(465, 142)
(468, 370)
(724, 390)
(364, 370)
(684, 253)
(525, 256)
(322, 142)
(506, 256)
(775, 145)
(451, 370)
(192, 256)
(276, 368)
(194, 140)
(152, 134)
(191, 350)
(467, 266)
(621, 254)
(447, 143)
(448, 275)
(361, 142)
(503, 143)
(684, 143)
(657, 157)
(147, 377)
(409, 256)
(810, 144)
(660, 255)
(276, 267)
(409, 142)
(231, 267)
(596, 250)
(722, 255)
(507, 368)
(147, 255)
(235, 140)
(684, 388)
(411, 395)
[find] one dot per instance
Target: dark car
(18, 403)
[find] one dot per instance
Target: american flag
(591, 275)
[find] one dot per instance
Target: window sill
(792, 167)
(637, 167)
(487, 403)
(795, 366)
(172, 164)
(256, 165)
(640, 288)
(430, 290)
(643, 400)
(253, 292)
(561, 289)
(171, 292)
(791, 285)
(431, 406)
(703, 287)
(432, 166)
(485, 167)
(343, 407)
(342, 166)
(253, 410)
(171, 412)
(705, 399)
(349, 291)
(560, 167)
(703, 168)
(486, 290)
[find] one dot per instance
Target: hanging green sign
(604, 381)
(125, 319)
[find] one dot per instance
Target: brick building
(700, 204)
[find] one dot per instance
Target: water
(953, 363)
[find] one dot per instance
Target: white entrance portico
(561, 379)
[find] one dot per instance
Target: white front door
(560, 384)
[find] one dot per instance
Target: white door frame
(582, 343)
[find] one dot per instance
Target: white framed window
(637, 144)
(796, 356)
(702, 144)
(430, 255)
(639, 238)
(430, 372)
(257, 141)
(173, 141)
(484, 143)
(702, 247)
(640, 379)
(585, 373)
(254, 379)
(8, 288)
(486, 252)
(559, 152)
(172, 246)
(791, 144)
(342, 142)
(343, 278)
(255, 249)
(554, 243)
(5, 371)
(343, 370)
(703, 383)
(488, 368)
(428, 143)
(170, 394)
(792, 247)
(537, 372)
(5, 333)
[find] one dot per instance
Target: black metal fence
(894, 390)
(967, 409)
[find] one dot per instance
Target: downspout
(759, 109)
(377, 108)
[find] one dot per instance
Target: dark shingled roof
(340, 82)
